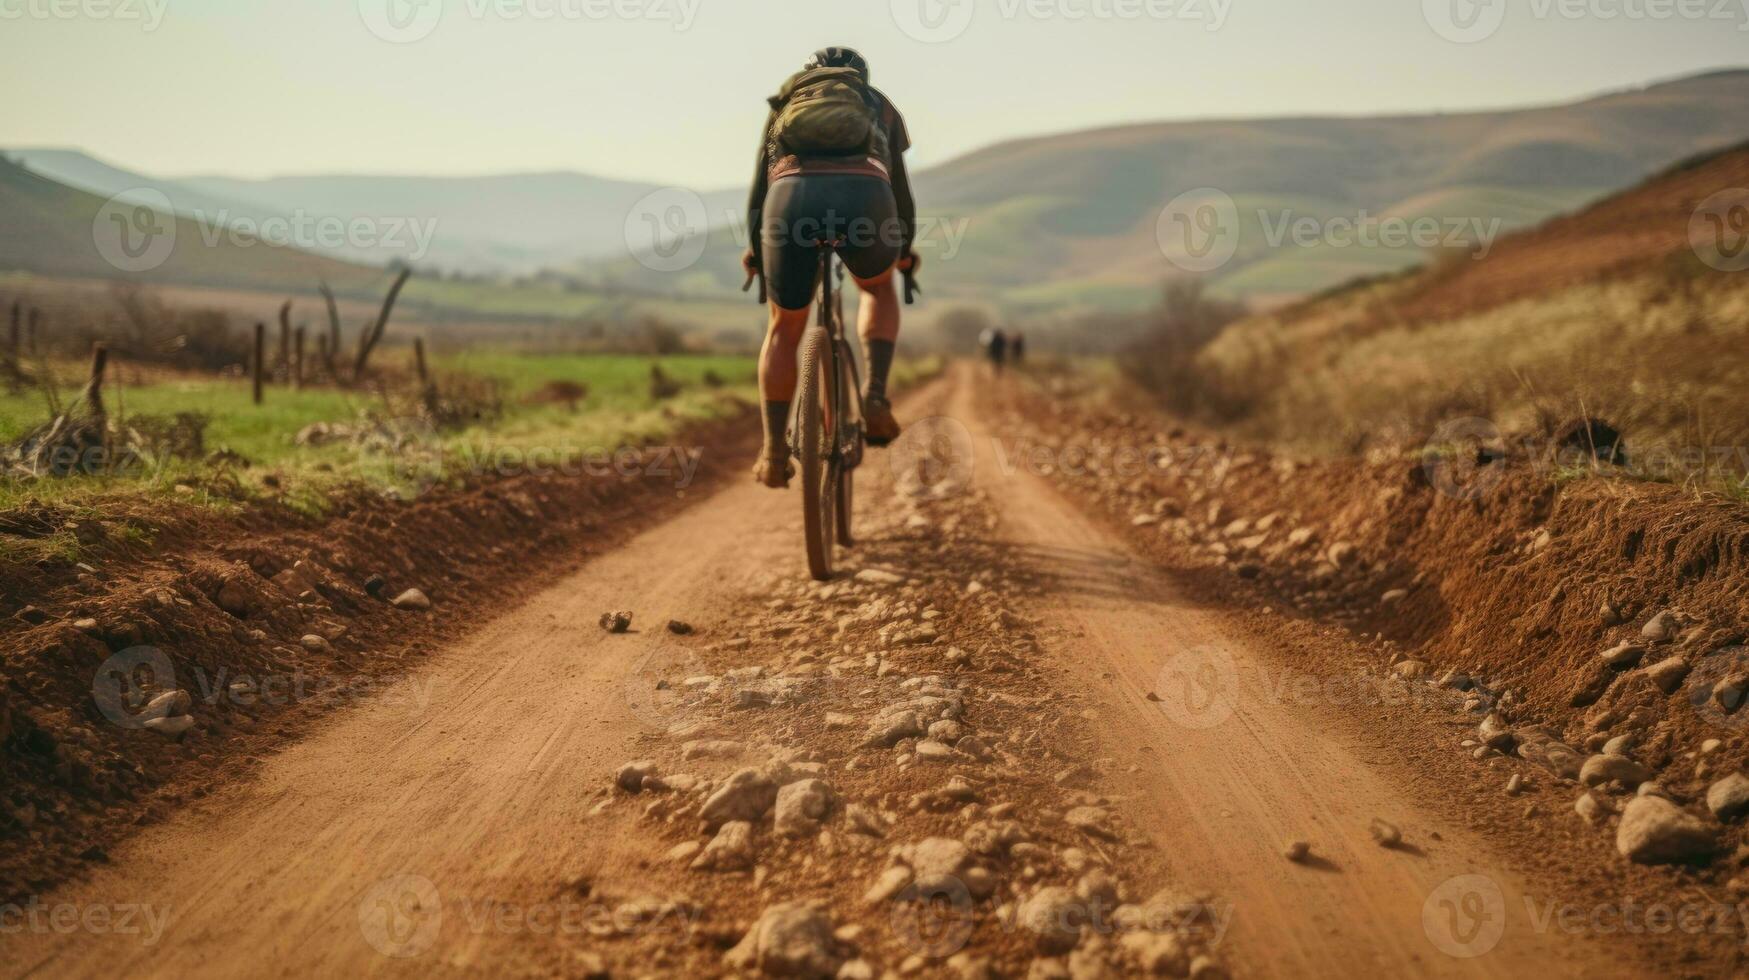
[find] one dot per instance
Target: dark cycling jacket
(775, 164)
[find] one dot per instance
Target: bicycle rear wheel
(816, 441)
(850, 434)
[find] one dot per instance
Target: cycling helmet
(836, 57)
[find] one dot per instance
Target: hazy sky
(671, 90)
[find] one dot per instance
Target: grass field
(619, 408)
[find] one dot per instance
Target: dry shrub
(1165, 358)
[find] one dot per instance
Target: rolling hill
(56, 230)
(500, 225)
(1069, 220)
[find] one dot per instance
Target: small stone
(171, 726)
(1728, 798)
(876, 576)
(1660, 628)
(1410, 669)
(891, 882)
(1623, 655)
(617, 621)
(1668, 674)
(1514, 785)
(801, 806)
(1051, 915)
(631, 775)
(789, 940)
(411, 599)
(1654, 830)
(1385, 833)
(730, 850)
(679, 628)
(1296, 851)
(1601, 769)
(315, 644)
(1393, 597)
(746, 795)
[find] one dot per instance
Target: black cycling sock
(776, 421)
(880, 361)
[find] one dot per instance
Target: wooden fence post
(260, 357)
(12, 336)
(298, 359)
(34, 333)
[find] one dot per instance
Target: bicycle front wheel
(816, 440)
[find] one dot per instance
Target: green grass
(619, 410)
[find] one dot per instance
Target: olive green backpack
(827, 112)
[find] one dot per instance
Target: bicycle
(826, 428)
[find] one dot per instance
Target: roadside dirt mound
(263, 620)
(1493, 579)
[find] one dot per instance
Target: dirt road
(466, 822)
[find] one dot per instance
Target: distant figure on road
(1017, 348)
(996, 348)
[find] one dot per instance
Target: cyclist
(831, 165)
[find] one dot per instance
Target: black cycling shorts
(803, 208)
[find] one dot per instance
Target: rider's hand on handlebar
(910, 262)
(750, 263)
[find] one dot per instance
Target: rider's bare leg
(777, 384)
(877, 320)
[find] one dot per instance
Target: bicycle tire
(815, 449)
(844, 472)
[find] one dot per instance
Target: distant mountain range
(1058, 222)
